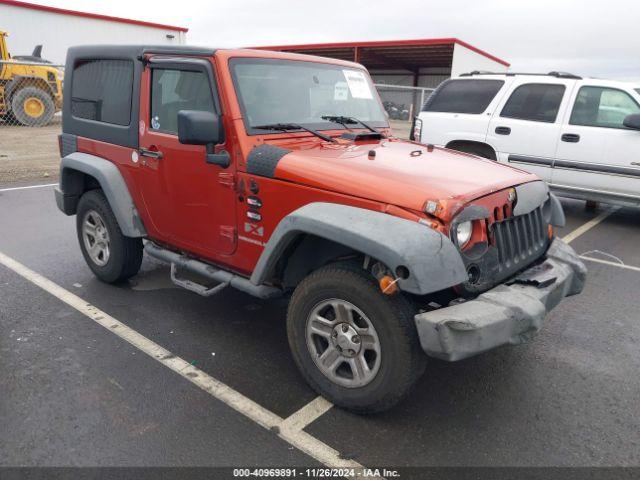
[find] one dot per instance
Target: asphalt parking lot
(77, 394)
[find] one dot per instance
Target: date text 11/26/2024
(315, 473)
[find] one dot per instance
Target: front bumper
(510, 313)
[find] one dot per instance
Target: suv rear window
(463, 96)
(538, 102)
(101, 91)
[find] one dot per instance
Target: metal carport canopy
(407, 55)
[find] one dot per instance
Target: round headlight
(463, 233)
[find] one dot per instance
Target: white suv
(582, 136)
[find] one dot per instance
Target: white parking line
(613, 264)
(588, 226)
(289, 430)
(307, 414)
(28, 187)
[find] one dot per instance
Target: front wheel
(354, 345)
(111, 256)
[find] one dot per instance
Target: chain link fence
(30, 119)
(402, 104)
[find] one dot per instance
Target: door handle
(570, 137)
(157, 154)
(503, 130)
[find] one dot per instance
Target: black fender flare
(434, 263)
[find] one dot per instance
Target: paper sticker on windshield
(341, 91)
(358, 85)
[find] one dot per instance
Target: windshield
(274, 91)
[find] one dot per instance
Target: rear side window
(463, 96)
(538, 102)
(602, 107)
(101, 91)
(175, 90)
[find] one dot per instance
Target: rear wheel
(32, 106)
(354, 345)
(111, 256)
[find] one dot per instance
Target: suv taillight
(416, 130)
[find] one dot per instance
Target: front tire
(111, 256)
(354, 345)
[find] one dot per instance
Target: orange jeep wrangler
(278, 174)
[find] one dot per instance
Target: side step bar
(223, 277)
(193, 286)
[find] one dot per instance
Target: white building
(57, 29)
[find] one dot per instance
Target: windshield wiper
(348, 121)
(285, 127)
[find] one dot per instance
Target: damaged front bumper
(510, 313)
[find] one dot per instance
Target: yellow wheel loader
(30, 92)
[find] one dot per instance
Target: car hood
(397, 172)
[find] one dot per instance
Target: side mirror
(203, 128)
(632, 121)
(199, 128)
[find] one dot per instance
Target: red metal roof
(407, 54)
(64, 11)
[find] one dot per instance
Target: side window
(101, 91)
(602, 107)
(538, 102)
(175, 90)
(463, 96)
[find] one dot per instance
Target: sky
(591, 38)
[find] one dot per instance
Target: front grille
(520, 240)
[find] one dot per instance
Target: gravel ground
(29, 153)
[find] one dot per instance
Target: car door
(190, 203)
(524, 128)
(596, 152)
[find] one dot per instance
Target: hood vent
(363, 136)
